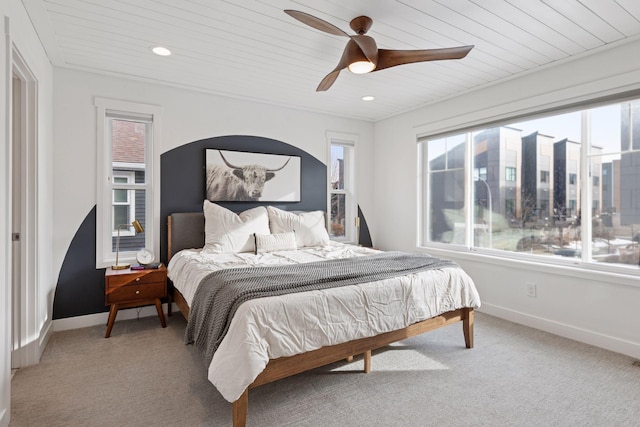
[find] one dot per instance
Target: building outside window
(128, 138)
(538, 206)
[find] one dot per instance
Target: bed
(263, 343)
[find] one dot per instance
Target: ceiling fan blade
(391, 58)
(328, 80)
(350, 52)
(368, 46)
(316, 23)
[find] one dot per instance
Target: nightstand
(134, 288)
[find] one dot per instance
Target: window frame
(349, 142)
(111, 108)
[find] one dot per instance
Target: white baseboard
(29, 354)
(45, 334)
(78, 322)
(568, 331)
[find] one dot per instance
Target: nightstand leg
(113, 311)
(160, 313)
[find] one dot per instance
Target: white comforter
(272, 327)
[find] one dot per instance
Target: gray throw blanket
(220, 293)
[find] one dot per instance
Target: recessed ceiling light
(162, 51)
(368, 98)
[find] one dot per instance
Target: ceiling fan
(361, 55)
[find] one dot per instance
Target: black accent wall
(80, 287)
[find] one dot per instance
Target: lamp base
(120, 266)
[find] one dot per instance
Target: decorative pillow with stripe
(275, 242)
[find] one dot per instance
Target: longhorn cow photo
(241, 176)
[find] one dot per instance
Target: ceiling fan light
(361, 67)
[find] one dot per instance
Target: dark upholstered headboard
(186, 230)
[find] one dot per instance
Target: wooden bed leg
(239, 410)
(349, 359)
(367, 361)
(467, 327)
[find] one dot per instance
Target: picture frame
(240, 176)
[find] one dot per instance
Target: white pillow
(228, 232)
(309, 227)
(275, 242)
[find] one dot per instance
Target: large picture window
(126, 180)
(563, 187)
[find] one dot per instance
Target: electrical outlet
(531, 289)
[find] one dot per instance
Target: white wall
(186, 117)
(16, 26)
(590, 307)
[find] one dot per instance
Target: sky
(605, 127)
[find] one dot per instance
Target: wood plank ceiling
(250, 49)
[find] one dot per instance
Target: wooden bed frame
(186, 230)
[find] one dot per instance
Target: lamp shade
(137, 226)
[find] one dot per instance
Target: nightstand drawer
(136, 278)
(136, 291)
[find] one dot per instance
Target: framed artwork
(233, 176)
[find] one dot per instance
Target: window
(510, 207)
(343, 222)
(444, 186)
(480, 173)
(568, 189)
(123, 202)
(126, 177)
(544, 176)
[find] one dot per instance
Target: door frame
(26, 339)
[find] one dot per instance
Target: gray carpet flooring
(515, 376)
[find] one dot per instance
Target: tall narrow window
(614, 160)
(342, 201)
(126, 180)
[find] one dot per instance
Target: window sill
(568, 268)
